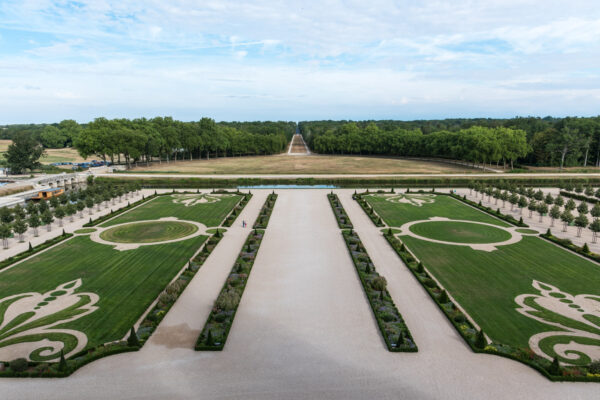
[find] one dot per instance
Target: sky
(298, 60)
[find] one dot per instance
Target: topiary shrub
(459, 318)
(480, 341)
(430, 283)
(132, 340)
(18, 365)
(554, 368)
(443, 297)
(594, 367)
(62, 365)
(585, 248)
(420, 268)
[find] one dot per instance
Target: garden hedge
(340, 214)
(220, 320)
(265, 212)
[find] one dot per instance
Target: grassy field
(460, 232)
(52, 155)
(126, 281)
(313, 164)
(486, 284)
(148, 232)
(209, 214)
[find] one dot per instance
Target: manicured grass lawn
(209, 214)
(148, 232)
(126, 281)
(85, 230)
(486, 283)
(397, 214)
(460, 232)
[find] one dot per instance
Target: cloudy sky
(297, 60)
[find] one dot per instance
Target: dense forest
(534, 141)
(124, 140)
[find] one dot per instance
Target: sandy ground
(304, 330)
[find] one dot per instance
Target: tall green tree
(23, 154)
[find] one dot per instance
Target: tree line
(125, 140)
(546, 141)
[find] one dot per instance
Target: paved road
(304, 330)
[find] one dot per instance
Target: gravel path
(304, 330)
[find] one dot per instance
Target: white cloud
(265, 59)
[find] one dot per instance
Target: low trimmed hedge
(340, 214)
(147, 327)
(36, 249)
(368, 209)
(468, 332)
(265, 212)
(508, 218)
(579, 197)
(389, 320)
(420, 181)
(220, 320)
(566, 243)
(230, 219)
(112, 214)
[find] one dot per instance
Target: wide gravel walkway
(304, 330)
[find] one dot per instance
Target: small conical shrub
(443, 299)
(392, 191)
(30, 247)
(480, 341)
(407, 190)
(549, 232)
(389, 231)
(554, 368)
(479, 203)
(420, 268)
(209, 339)
(197, 190)
(90, 221)
(402, 247)
(400, 340)
(63, 233)
(218, 233)
(62, 365)
(248, 248)
(155, 193)
(381, 295)
(520, 220)
(368, 269)
(585, 248)
(132, 340)
(498, 211)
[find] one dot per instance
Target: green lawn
(126, 281)
(486, 284)
(209, 214)
(460, 232)
(397, 214)
(148, 232)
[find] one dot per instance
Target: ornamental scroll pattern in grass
(577, 317)
(28, 323)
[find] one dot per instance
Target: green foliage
(18, 365)
(132, 340)
(554, 368)
(480, 341)
(23, 154)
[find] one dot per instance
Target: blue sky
(287, 60)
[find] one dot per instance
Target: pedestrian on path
(243, 223)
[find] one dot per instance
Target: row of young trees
(545, 204)
(550, 141)
(19, 219)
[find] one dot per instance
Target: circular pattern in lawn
(477, 235)
(460, 232)
(148, 232)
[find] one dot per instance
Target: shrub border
(342, 212)
(346, 233)
(223, 340)
(567, 244)
(265, 212)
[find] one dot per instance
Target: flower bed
(395, 333)
(219, 322)
(466, 329)
(340, 214)
(265, 213)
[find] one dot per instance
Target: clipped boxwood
(340, 214)
(265, 212)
